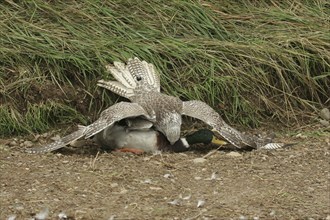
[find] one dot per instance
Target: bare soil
(85, 183)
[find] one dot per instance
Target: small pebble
(147, 181)
(325, 114)
(44, 135)
(55, 138)
(264, 157)
(42, 215)
(199, 160)
(4, 147)
(272, 213)
(11, 217)
(234, 154)
(113, 185)
(327, 140)
(301, 136)
(146, 159)
(19, 206)
(186, 197)
(155, 188)
(112, 217)
(214, 176)
(310, 189)
(13, 143)
(200, 203)
(157, 152)
(36, 137)
(123, 191)
(174, 202)
(242, 217)
(28, 143)
(62, 216)
(78, 143)
(324, 122)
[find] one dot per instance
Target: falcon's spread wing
(204, 112)
(108, 117)
(115, 113)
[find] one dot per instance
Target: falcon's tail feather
(273, 146)
(59, 143)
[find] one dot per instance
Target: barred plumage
(165, 108)
(59, 143)
(139, 82)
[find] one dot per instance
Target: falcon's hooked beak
(170, 126)
(173, 138)
(172, 134)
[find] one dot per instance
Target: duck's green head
(204, 136)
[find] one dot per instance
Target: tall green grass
(36, 118)
(251, 60)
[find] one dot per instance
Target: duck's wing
(108, 117)
(202, 111)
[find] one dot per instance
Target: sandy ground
(84, 183)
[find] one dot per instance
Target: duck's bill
(218, 141)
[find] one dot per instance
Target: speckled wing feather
(113, 114)
(122, 74)
(108, 117)
(144, 74)
(116, 87)
(202, 111)
(152, 75)
(125, 83)
(134, 77)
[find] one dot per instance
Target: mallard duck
(135, 136)
(122, 138)
(138, 81)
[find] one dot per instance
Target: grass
(37, 117)
(253, 61)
